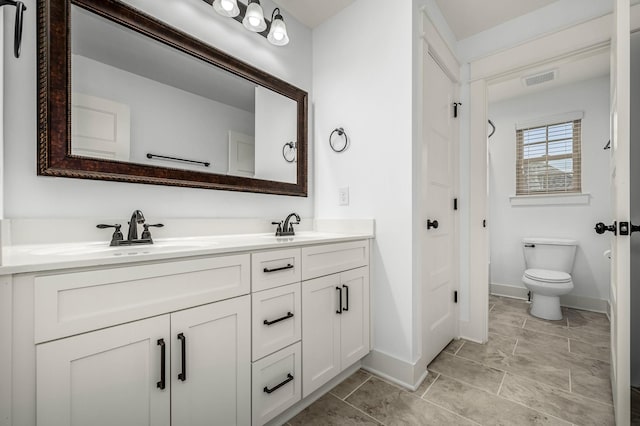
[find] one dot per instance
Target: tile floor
(530, 372)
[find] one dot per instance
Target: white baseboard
(406, 374)
(568, 300)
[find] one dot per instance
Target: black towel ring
(340, 131)
(20, 8)
(286, 153)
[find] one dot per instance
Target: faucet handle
(146, 234)
(279, 228)
(117, 234)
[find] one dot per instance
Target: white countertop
(46, 257)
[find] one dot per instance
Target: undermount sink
(102, 248)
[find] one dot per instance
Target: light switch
(343, 196)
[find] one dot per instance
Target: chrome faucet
(287, 228)
(137, 218)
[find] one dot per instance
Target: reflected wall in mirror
(150, 104)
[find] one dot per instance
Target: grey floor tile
(454, 345)
(331, 411)
(484, 407)
(589, 336)
(469, 371)
(510, 301)
(350, 384)
(511, 318)
(497, 348)
(591, 378)
(558, 328)
(431, 377)
(592, 350)
(550, 341)
(394, 406)
(565, 405)
(589, 320)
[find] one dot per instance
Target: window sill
(550, 199)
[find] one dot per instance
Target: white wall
(362, 68)
(635, 209)
(165, 120)
(27, 195)
(509, 224)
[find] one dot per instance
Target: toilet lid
(547, 275)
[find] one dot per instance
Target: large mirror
(125, 97)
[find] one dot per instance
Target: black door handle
(432, 224)
(347, 295)
(601, 228)
(163, 356)
(339, 311)
(183, 375)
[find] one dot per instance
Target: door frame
(578, 39)
(433, 43)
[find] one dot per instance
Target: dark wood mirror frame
(54, 103)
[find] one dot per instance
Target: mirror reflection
(139, 101)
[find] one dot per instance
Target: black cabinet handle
(289, 315)
(530, 245)
(183, 375)
(163, 356)
(278, 386)
(289, 266)
(347, 294)
(339, 311)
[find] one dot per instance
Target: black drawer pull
(530, 245)
(163, 355)
(183, 376)
(289, 315)
(339, 311)
(276, 387)
(289, 266)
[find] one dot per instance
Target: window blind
(548, 159)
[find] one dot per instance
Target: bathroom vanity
(209, 330)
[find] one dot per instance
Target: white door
(106, 377)
(320, 332)
(242, 155)
(354, 321)
(438, 235)
(211, 364)
(620, 245)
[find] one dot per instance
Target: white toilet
(549, 261)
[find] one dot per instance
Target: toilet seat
(547, 276)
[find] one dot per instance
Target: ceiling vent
(543, 77)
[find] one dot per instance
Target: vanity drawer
(280, 308)
(328, 259)
(274, 268)
(76, 302)
(271, 395)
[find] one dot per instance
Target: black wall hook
(20, 8)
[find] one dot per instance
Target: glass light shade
(278, 34)
(254, 17)
(228, 8)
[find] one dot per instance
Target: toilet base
(545, 307)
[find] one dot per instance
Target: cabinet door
(211, 364)
(354, 321)
(106, 377)
(320, 332)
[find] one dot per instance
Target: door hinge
(455, 109)
(455, 204)
(455, 296)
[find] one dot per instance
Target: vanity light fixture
(278, 33)
(228, 8)
(252, 17)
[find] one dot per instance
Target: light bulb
(254, 21)
(228, 8)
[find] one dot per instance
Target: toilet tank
(549, 253)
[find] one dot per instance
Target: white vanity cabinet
(184, 368)
(335, 308)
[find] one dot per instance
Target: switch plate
(343, 196)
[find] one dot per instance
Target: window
(548, 158)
